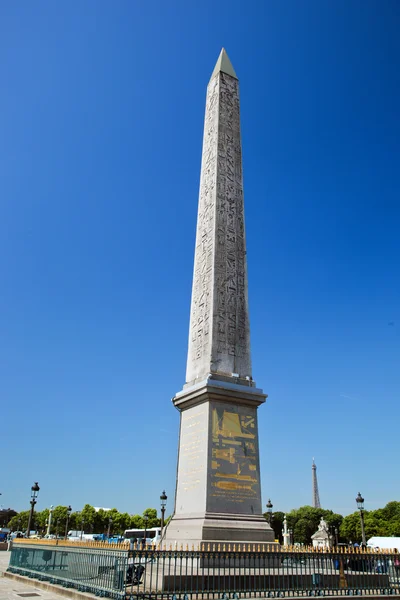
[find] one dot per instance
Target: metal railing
(97, 569)
(212, 572)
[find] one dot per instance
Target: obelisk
(218, 492)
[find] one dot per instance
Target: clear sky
(101, 119)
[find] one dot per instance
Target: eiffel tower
(315, 493)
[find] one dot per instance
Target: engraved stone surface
(191, 493)
(219, 335)
(218, 490)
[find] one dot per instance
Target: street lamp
(34, 494)
(360, 506)
(57, 522)
(163, 501)
(109, 527)
(269, 511)
(69, 510)
(291, 537)
(146, 520)
(336, 537)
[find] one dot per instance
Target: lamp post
(146, 520)
(336, 537)
(82, 525)
(291, 536)
(269, 511)
(360, 506)
(69, 510)
(34, 494)
(109, 528)
(163, 502)
(57, 522)
(49, 520)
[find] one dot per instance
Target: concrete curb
(75, 595)
(49, 587)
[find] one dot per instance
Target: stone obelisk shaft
(219, 335)
(218, 490)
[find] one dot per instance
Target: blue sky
(101, 123)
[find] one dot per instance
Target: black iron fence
(118, 572)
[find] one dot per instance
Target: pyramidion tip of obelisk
(224, 65)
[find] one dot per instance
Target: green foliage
(277, 524)
(19, 522)
(136, 522)
(381, 522)
(6, 514)
(304, 521)
(350, 529)
(153, 520)
(93, 522)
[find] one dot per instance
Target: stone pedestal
(218, 495)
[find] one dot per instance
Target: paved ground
(13, 590)
(4, 560)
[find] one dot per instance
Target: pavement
(4, 560)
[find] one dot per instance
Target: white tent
(384, 542)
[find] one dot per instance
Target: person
(396, 561)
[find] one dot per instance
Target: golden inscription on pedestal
(234, 456)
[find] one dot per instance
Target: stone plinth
(218, 495)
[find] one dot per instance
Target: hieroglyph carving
(219, 337)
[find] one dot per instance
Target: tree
(136, 522)
(119, 521)
(19, 522)
(392, 510)
(305, 520)
(276, 524)
(124, 523)
(381, 522)
(153, 520)
(88, 515)
(6, 514)
(99, 521)
(58, 520)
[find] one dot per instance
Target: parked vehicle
(4, 533)
(153, 535)
(75, 535)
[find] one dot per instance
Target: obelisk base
(218, 493)
(222, 529)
